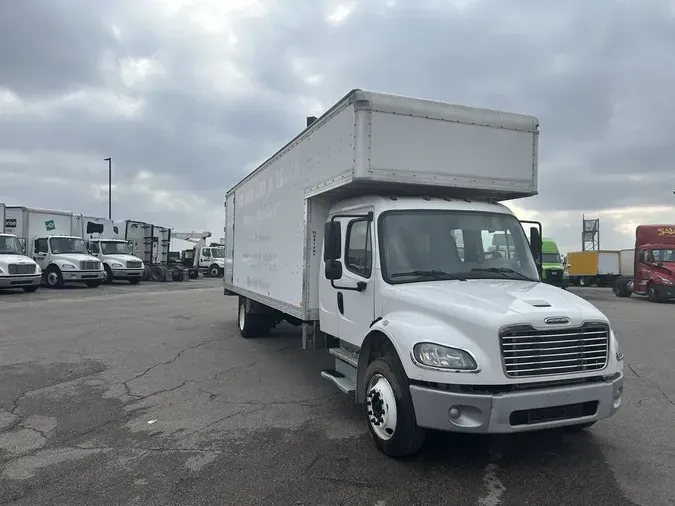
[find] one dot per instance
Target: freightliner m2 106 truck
(16, 269)
(649, 268)
(352, 231)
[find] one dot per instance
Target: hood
(490, 302)
(122, 258)
(668, 268)
(74, 257)
(15, 259)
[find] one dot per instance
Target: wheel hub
(381, 407)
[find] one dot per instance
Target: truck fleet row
(373, 230)
(39, 246)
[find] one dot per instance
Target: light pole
(109, 160)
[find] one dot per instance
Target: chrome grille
(134, 264)
(527, 351)
(90, 265)
(21, 268)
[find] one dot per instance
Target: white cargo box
(608, 262)
(368, 143)
(627, 262)
(31, 223)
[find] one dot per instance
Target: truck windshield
(65, 245)
(10, 245)
(428, 245)
(664, 255)
(218, 252)
(114, 248)
(551, 258)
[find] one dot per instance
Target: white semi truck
(49, 240)
(102, 237)
(16, 269)
(351, 230)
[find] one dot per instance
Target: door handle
(341, 303)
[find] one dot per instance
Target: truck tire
(214, 271)
(585, 282)
(157, 273)
(30, 289)
(246, 321)
(53, 277)
(193, 273)
(147, 273)
(389, 410)
(93, 283)
(652, 294)
(108, 274)
(177, 274)
(621, 288)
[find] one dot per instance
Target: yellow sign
(666, 231)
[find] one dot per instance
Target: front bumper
(517, 411)
(127, 273)
(665, 292)
(82, 275)
(17, 281)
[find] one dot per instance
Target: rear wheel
(246, 320)
(584, 282)
(389, 409)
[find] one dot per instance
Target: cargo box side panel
(15, 222)
(44, 223)
(317, 210)
(453, 154)
(627, 262)
(608, 262)
(583, 263)
(269, 243)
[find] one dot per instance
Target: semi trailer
(372, 231)
(48, 239)
(649, 268)
(588, 268)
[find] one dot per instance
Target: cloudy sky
(187, 96)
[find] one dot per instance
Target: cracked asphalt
(147, 395)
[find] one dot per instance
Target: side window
(92, 247)
(359, 249)
(644, 256)
(41, 246)
(458, 236)
(206, 253)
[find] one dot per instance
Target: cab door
(355, 292)
(642, 271)
(40, 252)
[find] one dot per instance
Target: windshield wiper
(505, 271)
(430, 273)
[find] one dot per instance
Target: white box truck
(102, 238)
(351, 230)
(16, 269)
(61, 255)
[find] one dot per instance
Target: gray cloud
(597, 74)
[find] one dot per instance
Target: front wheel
(214, 271)
(108, 274)
(389, 409)
(53, 277)
(652, 294)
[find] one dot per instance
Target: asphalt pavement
(148, 395)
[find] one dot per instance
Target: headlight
(68, 266)
(116, 265)
(443, 357)
(666, 281)
(619, 353)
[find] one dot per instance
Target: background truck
(151, 244)
(352, 231)
(649, 268)
(16, 269)
(101, 236)
(48, 237)
(203, 258)
(553, 269)
(587, 268)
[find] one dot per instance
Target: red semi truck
(652, 270)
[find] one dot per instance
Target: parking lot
(147, 395)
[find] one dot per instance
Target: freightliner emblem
(556, 320)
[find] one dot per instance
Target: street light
(109, 160)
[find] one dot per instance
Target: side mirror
(535, 242)
(333, 270)
(332, 243)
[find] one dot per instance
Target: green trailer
(553, 270)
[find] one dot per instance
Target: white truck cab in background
(62, 257)
(16, 269)
(103, 239)
(373, 230)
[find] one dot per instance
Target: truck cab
(653, 264)
(476, 334)
(16, 269)
(64, 259)
(210, 260)
(553, 268)
(118, 262)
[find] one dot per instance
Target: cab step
(345, 384)
(349, 357)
